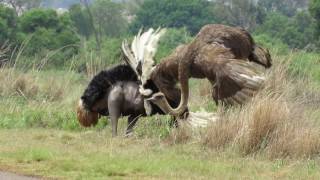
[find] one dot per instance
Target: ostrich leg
(114, 104)
(132, 120)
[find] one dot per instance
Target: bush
(272, 43)
(49, 32)
(37, 18)
(296, 32)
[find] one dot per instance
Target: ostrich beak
(145, 92)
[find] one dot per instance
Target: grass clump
(276, 122)
(181, 135)
(15, 83)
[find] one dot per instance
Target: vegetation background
(51, 48)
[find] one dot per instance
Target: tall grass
(278, 121)
(282, 120)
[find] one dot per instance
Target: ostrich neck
(163, 104)
(166, 75)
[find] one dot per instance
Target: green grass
(39, 135)
(94, 155)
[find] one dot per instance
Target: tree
(96, 35)
(242, 13)
(132, 6)
(296, 32)
(36, 18)
(8, 24)
(192, 14)
(171, 39)
(81, 20)
(108, 17)
(22, 5)
(314, 8)
(286, 7)
(50, 32)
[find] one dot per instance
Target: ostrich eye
(83, 97)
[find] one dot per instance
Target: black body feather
(101, 82)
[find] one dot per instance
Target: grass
(276, 135)
(277, 122)
(94, 155)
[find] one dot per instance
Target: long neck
(174, 68)
(163, 104)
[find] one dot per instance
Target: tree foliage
(242, 13)
(171, 39)
(314, 9)
(286, 22)
(192, 14)
(108, 18)
(21, 6)
(286, 7)
(49, 31)
(297, 31)
(32, 20)
(81, 20)
(8, 24)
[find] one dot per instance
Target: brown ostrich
(224, 55)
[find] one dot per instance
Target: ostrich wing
(141, 55)
(141, 58)
(236, 81)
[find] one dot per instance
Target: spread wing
(141, 54)
(141, 57)
(237, 81)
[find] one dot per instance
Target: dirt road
(12, 176)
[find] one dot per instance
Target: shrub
(50, 32)
(296, 32)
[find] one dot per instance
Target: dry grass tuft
(30, 86)
(180, 135)
(13, 83)
(260, 120)
(25, 86)
(276, 121)
(56, 93)
(221, 133)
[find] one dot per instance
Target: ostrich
(114, 93)
(222, 54)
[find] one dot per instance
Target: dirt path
(12, 176)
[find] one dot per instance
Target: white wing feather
(143, 50)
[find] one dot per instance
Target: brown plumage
(219, 53)
(222, 54)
